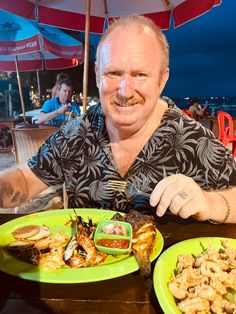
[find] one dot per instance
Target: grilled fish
(144, 235)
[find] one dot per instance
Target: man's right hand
(63, 109)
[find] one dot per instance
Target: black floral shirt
(80, 155)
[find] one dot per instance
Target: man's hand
(183, 197)
(63, 109)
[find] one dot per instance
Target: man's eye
(114, 73)
(140, 74)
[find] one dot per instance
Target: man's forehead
(117, 35)
(64, 86)
(116, 47)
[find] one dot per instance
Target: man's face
(128, 77)
(65, 93)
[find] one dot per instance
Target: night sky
(203, 54)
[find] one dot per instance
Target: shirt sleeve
(47, 106)
(50, 163)
(46, 163)
(206, 159)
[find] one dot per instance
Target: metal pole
(86, 55)
(20, 89)
(39, 86)
(10, 99)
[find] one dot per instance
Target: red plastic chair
(188, 113)
(226, 130)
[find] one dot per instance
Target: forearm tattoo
(10, 195)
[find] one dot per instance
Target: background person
(197, 110)
(133, 135)
(57, 110)
(55, 90)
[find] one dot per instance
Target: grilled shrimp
(194, 305)
(54, 259)
(80, 250)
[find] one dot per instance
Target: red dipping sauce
(114, 243)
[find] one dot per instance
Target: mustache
(127, 102)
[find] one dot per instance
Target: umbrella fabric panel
(14, 27)
(76, 21)
(19, 35)
(59, 43)
(189, 10)
(20, 46)
(16, 35)
(59, 64)
(23, 65)
(64, 51)
(22, 8)
(70, 14)
(36, 61)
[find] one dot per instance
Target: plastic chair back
(188, 113)
(226, 125)
(226, 129)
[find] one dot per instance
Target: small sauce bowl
(113, 237)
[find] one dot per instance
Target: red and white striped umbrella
(70, 14)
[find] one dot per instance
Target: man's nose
(126, 87)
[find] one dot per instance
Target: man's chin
(124, 123)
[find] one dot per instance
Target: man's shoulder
(49, 103)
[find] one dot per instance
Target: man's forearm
(44, 117)
(13, 187)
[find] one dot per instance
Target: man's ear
(97, 75)
(164, 78)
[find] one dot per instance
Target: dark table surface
(12, 121)
(127, 294)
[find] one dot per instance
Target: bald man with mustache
(133, 135)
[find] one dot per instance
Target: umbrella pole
(20, 89)
(86, 55)
(39, 86)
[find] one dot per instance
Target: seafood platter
(197, 276)
(82, 245)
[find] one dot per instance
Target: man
(197, 109)
(57, 110)
(134, 136)
(55, 90)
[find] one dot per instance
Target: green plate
(166, 264)
(55, 220)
